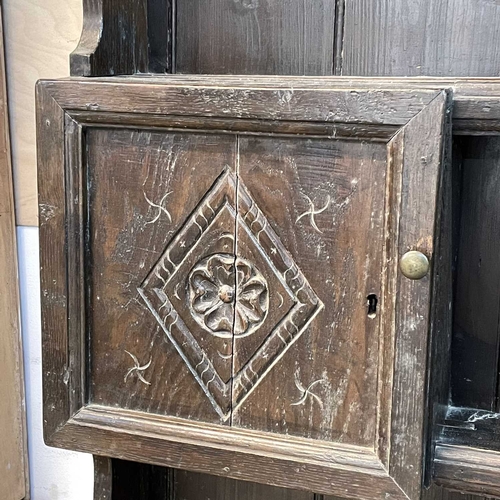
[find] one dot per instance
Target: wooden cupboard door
(221, 289)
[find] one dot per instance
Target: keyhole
(372, 301)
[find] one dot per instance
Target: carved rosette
(224, 291)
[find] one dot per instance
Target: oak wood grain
(416, 38)
(128, 234)
(114, 39)
(293, 37)
(103, 478)
(187, 189)
(322, 199)
(421, 196)
(468, 469)
(190, 486)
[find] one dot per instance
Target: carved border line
(151, 290)
(295, 322)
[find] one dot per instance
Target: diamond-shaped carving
(205, 297)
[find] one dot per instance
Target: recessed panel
(314, 210)
(158, 205)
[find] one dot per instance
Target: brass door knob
(414, 265)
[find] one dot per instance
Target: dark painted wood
(138, 481)
(103, 478)
(287, 37)
(476, 346)
(421, 38)
(195, 486)
(114, 39)
(161, 15)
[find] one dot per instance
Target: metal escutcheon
(414, 265)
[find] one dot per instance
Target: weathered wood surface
(294, 37)
(180, 256)
(468, 469)
(333, 104)
(24, 137)
(103, 478)
(475, 104)
(52, 213)
(205, 448)
(14, 484)
(383, 38)
(320, 204)
(190, 486)
(130, 231)
(420, 212)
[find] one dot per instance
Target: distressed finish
(196, 223)
(194, 485)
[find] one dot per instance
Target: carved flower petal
(240, 322)
(224, 275)
(201, 280)
(221, 318)
(205, 302)
(252, 290)
(252, 312)
(206, 296)
(244, 273)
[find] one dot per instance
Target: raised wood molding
(468, 117)
(467, 469)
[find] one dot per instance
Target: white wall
(54, 474)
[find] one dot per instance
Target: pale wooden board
(39, 36)
(13, 479)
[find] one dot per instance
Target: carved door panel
(226, 291)
(315, 219)
(220, 276)
(151, 246)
